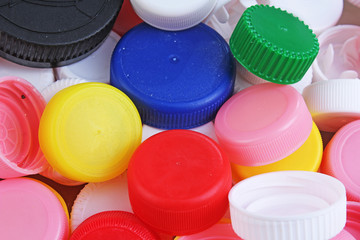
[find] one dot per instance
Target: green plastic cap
(273, 44)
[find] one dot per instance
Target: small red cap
(179, 181)
(113, 225)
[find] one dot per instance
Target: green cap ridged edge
(263, 58)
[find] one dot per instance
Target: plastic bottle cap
(207, 129)
(100, 197)
(96, 66)
(344, 235)
(21, 106)
(39, 78)
(52, 174)
(305, 158)
(176, 79)
(253, 79)
(273, 44)
(31, 210)
(113, 225)
(54, 33)
(59, 85)
(173, 15)
(338, 56)
(221, 231)
(291, 205)
(126, 19)
(353, 219)
(178, 182)
(89, 131)
(257, 130)
(340, 158)
(309, 11)
(333, 103)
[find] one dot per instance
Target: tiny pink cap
(21, 106)
(353, 219)
(263, 124)
(341, 158)
(30, 210)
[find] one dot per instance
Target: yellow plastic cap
(89, 131)
(306, 158)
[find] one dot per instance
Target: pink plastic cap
(353, 219)
(21, 106)
(222, 231)
(341, 158)
(30, 210)
(263, 124)
(344, 235)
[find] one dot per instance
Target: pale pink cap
(21, 106)
(341, 158)
(263, 124)
(344, 235)
(30, 210)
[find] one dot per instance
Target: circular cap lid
(113, 225)
(178, 182)
(89, 131)
(353, 219)
(176, 79)
(257, 130)
(99, 197)
(341, 158)
(95, 67)
(273, 44)
(30, 210)
(173, 15)
(306, 158)
(221, 231)
(333, 103)
(21, 106)
(288, 205)
(61, 33)
(61, 84)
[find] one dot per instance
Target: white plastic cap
(173, 15)
(288, 205)
(95, 67)
(59, 85)
(333, 103)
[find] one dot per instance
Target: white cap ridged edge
(337, 95)
(321, 224)
(59, 85)
(173, 23)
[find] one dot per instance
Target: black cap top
(52, 33)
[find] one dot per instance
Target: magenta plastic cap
(30, 210)
(263, 124)
(21, 106)
(341, 158)
(113, 225)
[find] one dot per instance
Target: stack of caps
(267, 127)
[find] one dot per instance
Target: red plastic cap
(126, 19)
(179, 181)
(113, 225)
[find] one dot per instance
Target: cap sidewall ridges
(321, 224)
(263, 58)
(337, 96)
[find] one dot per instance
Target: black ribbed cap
(48, 33)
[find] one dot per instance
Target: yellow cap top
(89, 131)
(306, 158)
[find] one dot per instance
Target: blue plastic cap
(176, 79)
